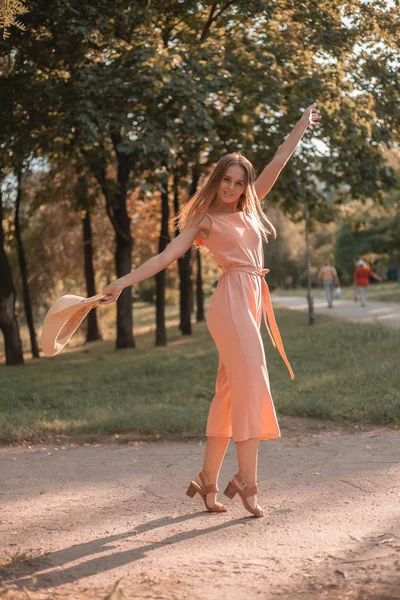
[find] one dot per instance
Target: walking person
(361, 280)
(225, 216)
(328, 277)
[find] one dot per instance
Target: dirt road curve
(78, 519)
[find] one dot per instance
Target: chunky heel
(241, 487)
(192, 489)
(230, 490)
(203, 490)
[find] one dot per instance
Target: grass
(345, 372)
(379, 292)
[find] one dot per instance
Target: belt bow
(268, 311)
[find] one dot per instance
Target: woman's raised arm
(175, 249)
(269, 175)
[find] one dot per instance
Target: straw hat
(63, 319)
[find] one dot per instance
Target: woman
(225, 216)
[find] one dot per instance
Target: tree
(8, 321)
(370, 232)
(18, 140)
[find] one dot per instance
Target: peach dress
(242, 406)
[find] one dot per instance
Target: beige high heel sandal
(237, 485)
(203, 490)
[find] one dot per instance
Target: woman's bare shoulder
(201, 221)
(204, 224)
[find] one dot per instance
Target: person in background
(361, 280)
(328, 277)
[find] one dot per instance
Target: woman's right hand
(112, 292)
(311, 116)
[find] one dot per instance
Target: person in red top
(361, 280)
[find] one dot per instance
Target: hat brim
(61, 322)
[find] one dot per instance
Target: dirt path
(385, 313)
(77, 519)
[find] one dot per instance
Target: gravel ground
(75, 520)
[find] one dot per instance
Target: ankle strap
(207, 489)
(246, 489)
(249, 490)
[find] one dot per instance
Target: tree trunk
(124, 245)
(161, 332)
(123, 262)
(199, 281)
(199, 290)
(83, 206)
(24, 271)
(186, 292)
(115, 197)
(93, 333)
(186, 282)
(185, 324)
(8, 320)
(308, 262)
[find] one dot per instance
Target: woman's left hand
(311, 116)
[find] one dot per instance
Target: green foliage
(146, 290)
(177, 79)
(346, 250)
(369, 232)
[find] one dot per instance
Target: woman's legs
(247, 452)
(215, 451)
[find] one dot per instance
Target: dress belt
(268, 312)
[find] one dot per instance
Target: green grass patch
(345, 372)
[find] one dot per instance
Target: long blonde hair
(249, 203)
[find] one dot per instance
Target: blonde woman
(226, 217)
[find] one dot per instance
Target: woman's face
(232, 185)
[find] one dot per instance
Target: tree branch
(99, 171)
(212, 18)
(71, 8)
(208, 24)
